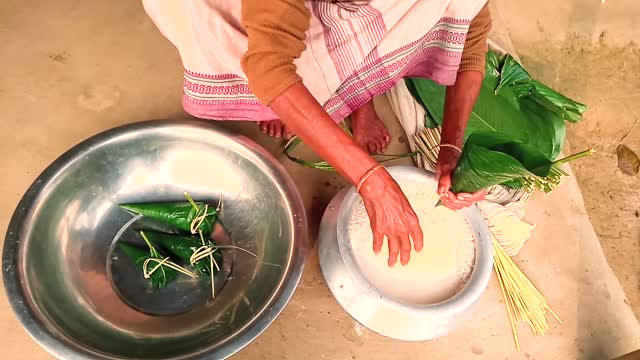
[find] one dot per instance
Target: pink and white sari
(354, 51)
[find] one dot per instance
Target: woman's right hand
(391, 215)
(388, 208)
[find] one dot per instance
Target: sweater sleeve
(475, 47)
(276, 30)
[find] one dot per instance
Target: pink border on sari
(435, 56)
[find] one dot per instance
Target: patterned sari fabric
(354, 51)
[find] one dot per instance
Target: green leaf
(546, 130)
(530, 158)
(183, 247)
(487, 161)
(512, 73)
(493, 65)
(492, 158)
(428, 94)
(178, 215)
(429, 121)
(514, 76)
(520, 121)
(161, 277)
(566, 108)
(523, 109)
(479, 168)
(515, 131)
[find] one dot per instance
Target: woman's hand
(447, 162)
(458, 104)
(391, 215)
(388, 208)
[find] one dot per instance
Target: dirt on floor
(607, 79)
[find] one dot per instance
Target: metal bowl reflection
(55, 259)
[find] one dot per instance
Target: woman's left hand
(447, 162)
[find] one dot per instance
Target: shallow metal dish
(55, 263)
(366, 304)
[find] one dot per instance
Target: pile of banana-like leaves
(515, 132)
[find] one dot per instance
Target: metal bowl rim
(60, 349)
(464, 298)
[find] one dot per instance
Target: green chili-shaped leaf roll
(161, 277)
(179, 215)
(183, 247)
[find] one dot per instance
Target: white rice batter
(436, 273)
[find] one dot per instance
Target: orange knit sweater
(276, 31)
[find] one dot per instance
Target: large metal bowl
(57, 249)
(366, 304)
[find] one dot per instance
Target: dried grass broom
(525, 304)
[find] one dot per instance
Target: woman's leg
(368, 130)
(275, 128)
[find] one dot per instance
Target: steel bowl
(371, 308)
(58, 258)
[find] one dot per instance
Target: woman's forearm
(389, 211)
(300, 111)
(459, 102)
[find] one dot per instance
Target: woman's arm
(276, 32)
(458, 105)
(387, 207)
(303, 114)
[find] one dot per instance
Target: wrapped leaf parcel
(188, 217)
(159, 278)
(515, 132)
(183, 248)
(183, 216)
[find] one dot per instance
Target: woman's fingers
(451, 206)
(448, 200)
(394, 250)
(444, 184)
(451, 198)
(391, 216)
(371, 147)
(405, 249)
(377, 241)
(417, 237)
(466, 200)
(461, 203)
(476, 196)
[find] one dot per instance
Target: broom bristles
(524, 302)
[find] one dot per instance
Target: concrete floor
(590, 51)
(72, 70)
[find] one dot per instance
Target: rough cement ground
(73, 69)
(590, 51)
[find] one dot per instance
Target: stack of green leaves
(515, 132)
(192, 223)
